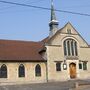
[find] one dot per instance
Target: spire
(53, 22)
(53, 16)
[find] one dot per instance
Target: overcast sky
(26, 23)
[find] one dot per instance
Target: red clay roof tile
(20, 50)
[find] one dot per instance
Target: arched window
(3, 71)
(65, 49)
(21, 71)
(38, 70)
(58, 66)
(76, 49)
(70, 47)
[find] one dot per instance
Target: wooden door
(72, 67)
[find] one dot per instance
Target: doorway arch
(72, 69)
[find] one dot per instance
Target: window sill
(72, 57)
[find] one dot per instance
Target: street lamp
(65, 65)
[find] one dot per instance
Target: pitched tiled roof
(20, 50)
(45, 40)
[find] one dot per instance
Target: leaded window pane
(76, 53)
(65, 49)
(68, 47)
(3, 71)
(58, 66)
(72, 48)
(80, 65)
(38, 70)
(21, 71)
(84, 65)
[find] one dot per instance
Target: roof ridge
(19, 41)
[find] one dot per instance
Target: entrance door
(72, 67)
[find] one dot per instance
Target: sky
(31, 24)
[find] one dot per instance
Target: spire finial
(52, 2)
(53, 22)
(53, 16)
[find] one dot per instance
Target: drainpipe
(46, 72)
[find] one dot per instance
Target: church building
(63, 55)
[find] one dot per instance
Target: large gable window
(70, 47)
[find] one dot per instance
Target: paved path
(82, 88)
(46, 86)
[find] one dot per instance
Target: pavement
(68, 85)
